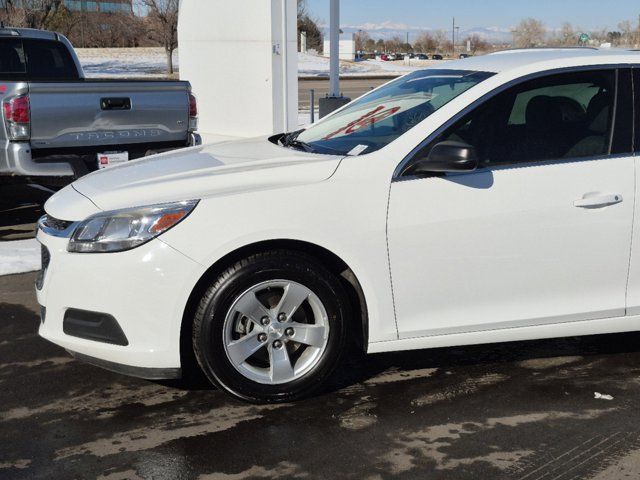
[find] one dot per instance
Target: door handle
(598, 200)
(115, 103)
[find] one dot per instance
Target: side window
(49, 60)
(555, 117)
(12, 60)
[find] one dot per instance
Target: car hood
(197, 173)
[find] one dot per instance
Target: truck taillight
(193, 113)
(17, 116)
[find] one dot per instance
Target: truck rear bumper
(195, 139)
(18, 158)
(19, 161)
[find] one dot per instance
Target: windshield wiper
(300, 145)
(291, 140)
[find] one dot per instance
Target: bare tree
(370, 45)
(629, 34)
(425, 43)
(393, 44)
(529, 33)
(477, 43)
(310, 26)
(567, 35)
(362, 40)
(302, 8)
(38, 14)
(442, 41)
(162, 23)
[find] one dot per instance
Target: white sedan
(484, 200)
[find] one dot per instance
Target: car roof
(27, 33)
(512, 59)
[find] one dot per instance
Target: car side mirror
(447, 157)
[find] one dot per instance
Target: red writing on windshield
(374, 116)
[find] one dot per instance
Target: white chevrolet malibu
(484, 200)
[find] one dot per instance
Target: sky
(504, 14)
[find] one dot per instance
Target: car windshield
(382, 116)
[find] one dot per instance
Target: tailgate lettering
(120, 134)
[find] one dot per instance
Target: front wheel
(272, 327)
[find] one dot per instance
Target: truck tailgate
(91, 113)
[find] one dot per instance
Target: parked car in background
(437, 56)
(465, 55)
(384, 57)
(57, 123)
(507, 216)
(422, 56)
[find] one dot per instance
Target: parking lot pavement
(512, 411)
(20, 207)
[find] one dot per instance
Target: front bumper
(138, 372)
(145, 289)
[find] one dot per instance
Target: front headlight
(121, 230)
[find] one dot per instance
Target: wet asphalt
(21, 204)
(506, 411)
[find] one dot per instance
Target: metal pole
(313, 106)
(453, 37)
(284, 60)
(334, 50)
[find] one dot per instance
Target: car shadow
(359, 368)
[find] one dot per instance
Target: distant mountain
(388, 30)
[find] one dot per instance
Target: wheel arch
(333, 262)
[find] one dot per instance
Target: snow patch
(315, 65)
(150, 62)
(19, 256)
(125, 62)
(602, 396)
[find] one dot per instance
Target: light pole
(333, 100)
(334, 49)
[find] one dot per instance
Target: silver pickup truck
(57, 123)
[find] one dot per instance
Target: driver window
(562, 116)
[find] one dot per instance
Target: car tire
(288, 357)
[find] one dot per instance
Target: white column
(241, 59)
(334, 60)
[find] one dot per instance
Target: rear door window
(38, 60)
(49, 60)
(12, 61)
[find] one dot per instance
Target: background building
(87, 23)
(110, 6)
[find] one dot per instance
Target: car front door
(541, 232)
